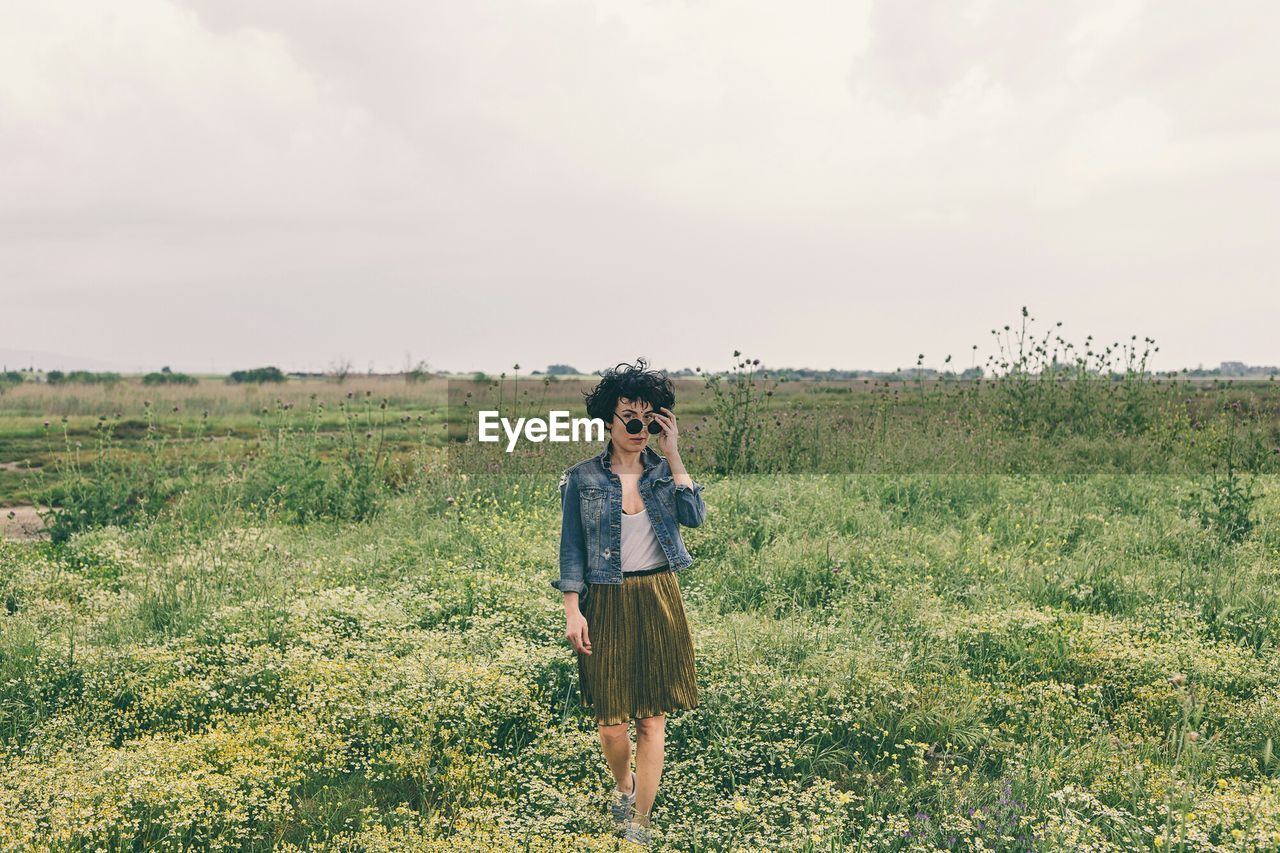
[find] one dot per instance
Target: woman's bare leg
(616, 741)
(651, 742)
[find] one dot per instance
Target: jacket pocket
(666, 495)
(592, 499)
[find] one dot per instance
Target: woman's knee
(651, 725)
(618, 731)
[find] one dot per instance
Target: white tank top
(640, 547)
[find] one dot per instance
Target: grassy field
(926, 615)
(40, 424)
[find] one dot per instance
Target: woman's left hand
(670, 432)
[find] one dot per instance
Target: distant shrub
(8, 379)
(165, 376)
(81, 377)
(420, 372)
(561, 370)
(257, 374)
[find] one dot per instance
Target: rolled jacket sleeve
(691, 509)
(573, 553)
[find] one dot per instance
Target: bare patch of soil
(21, 523)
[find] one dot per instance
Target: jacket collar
(648, 457)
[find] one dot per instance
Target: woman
(620, 547)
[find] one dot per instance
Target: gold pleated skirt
(641, 661)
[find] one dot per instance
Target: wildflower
(844, 797)
(1222, 784)
(1193, 736)
(1177, 678)
(739, 804)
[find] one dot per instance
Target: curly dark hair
(633, 382)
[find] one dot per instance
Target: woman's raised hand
(670, 432)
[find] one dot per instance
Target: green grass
(922, 646)
(927, 633)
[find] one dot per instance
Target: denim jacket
(591, 522)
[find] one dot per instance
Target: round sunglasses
(635, 425)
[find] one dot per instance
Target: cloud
(287, 157)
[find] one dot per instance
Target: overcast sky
(216, 184)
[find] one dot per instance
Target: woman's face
(624, 411)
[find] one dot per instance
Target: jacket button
(606, 553)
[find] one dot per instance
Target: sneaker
(638, 834)
(623, 805)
